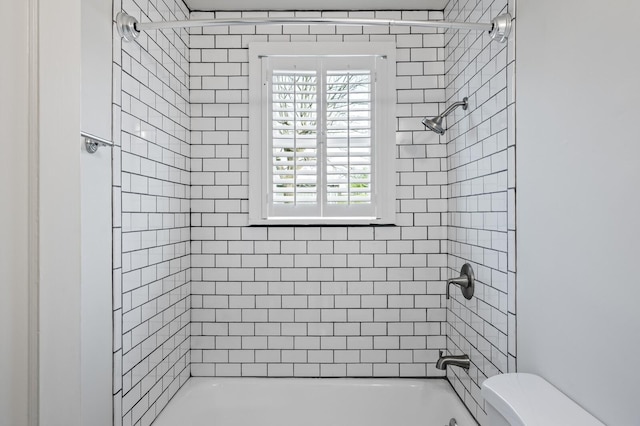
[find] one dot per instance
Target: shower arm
(463, 103)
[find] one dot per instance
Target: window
(322, 141)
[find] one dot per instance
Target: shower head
(435, 124)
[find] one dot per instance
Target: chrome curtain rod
(129, 28)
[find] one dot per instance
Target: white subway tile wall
(314, 301)
(198, 292)
(481, 192)
(151, 192)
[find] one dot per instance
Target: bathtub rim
(316, 378)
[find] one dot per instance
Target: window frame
(383, 129)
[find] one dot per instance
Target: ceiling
(212, 5)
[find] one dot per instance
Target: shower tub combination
(318, 402)
(314, 402)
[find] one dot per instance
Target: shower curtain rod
(129, 28)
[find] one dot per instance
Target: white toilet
(522, 399)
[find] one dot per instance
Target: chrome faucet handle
(466, 281)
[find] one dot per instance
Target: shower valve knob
(466, 281)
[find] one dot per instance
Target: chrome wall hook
(92, 143)
(466, 281)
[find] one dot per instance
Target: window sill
(321, 221)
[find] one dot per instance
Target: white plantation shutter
(321, 137)
(349, 148)
(294, 142)
(321, 121)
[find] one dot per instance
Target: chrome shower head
(435, 124)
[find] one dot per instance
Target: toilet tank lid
(529, 400)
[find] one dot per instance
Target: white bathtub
(314, 402)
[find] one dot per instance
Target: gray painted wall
(577, 200)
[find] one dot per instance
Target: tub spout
(457, 360)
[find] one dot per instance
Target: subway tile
(288, 301)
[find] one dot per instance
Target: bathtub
(314, 402)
